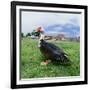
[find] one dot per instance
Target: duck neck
(41, 38)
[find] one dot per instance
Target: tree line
(33, 33)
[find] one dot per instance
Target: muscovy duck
(49, 50)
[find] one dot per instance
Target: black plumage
(53, 52)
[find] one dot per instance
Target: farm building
(60, 37)
(47, 37)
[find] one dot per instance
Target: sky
(53, 23)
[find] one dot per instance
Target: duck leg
(46, 62)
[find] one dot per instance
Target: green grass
(31, 59)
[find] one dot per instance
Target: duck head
(41, 37)
(41, 31)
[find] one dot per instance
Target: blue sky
(53, 23)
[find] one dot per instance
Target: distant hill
(69, 30)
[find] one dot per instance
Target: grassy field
(31, 59)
